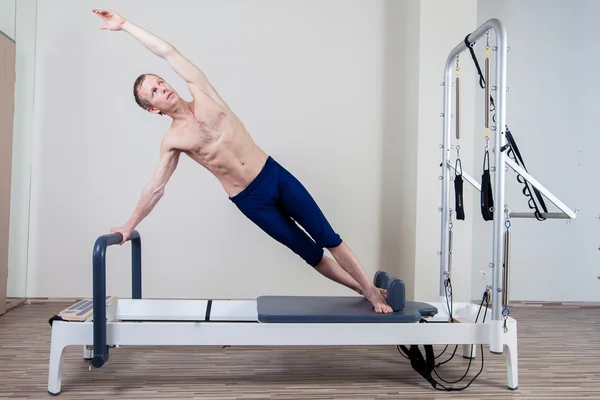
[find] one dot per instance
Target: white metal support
(498, 142)
(534, 182)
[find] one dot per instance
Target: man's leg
(346, 258)
(283, 229)
(260, 202)
(329, 268)
(300, 205)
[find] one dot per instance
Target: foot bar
(544, 215)
(81, 310)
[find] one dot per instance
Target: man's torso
(216, 139)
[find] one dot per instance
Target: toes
(383, 309)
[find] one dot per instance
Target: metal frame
(567, 213)
(500, 159)
(499, 141)
(137, 322)
(149, 322)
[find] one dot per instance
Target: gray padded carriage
(334, 309)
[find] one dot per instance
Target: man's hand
(124, 230)
(114, 22)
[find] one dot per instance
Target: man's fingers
(100, 12)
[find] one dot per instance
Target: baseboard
(524, 303)
(564, 304)
(15, 303)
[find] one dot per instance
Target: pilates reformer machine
(104, 323)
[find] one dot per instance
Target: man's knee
(315, 258)
(329, 241)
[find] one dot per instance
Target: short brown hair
(136, 95)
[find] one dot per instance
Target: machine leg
(512, 358)
(57, 351)
(469, 351)
(88, 352)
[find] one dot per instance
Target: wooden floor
(559, 358)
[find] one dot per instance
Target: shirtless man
(208, 131)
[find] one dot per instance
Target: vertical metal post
(445, 208)
(100, 355)
(136, 268)
(499, 176)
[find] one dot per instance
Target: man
(209, 132)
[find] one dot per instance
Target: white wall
(25, 31)
(7, 17)
(304, 76)
(399, 158)
(443, 26)
(551, 110)
(419, 37)
(364, 78)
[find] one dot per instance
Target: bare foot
(383, 293)
(379, 303)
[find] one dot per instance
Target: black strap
(513, 150)
(482, 82)
(514, 153)
(208, 307)
(423, 365)
(458, 191)
(487, 200)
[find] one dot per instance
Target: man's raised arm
(180, 64)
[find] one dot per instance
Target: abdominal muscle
(224, 148)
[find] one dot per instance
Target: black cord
(445, 389)
(401, 353)
(443, 351)
(451, 311)
(442, 387)
(450, 305)
(437, 385)
(451, 357)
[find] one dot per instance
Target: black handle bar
(99, 287)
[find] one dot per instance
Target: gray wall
(551, 110)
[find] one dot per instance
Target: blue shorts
(277, 202)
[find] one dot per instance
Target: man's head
(153, 94)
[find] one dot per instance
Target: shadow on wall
(399, 152)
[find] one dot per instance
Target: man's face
(158, 93)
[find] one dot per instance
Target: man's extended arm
(152, 192)
(180, 64)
